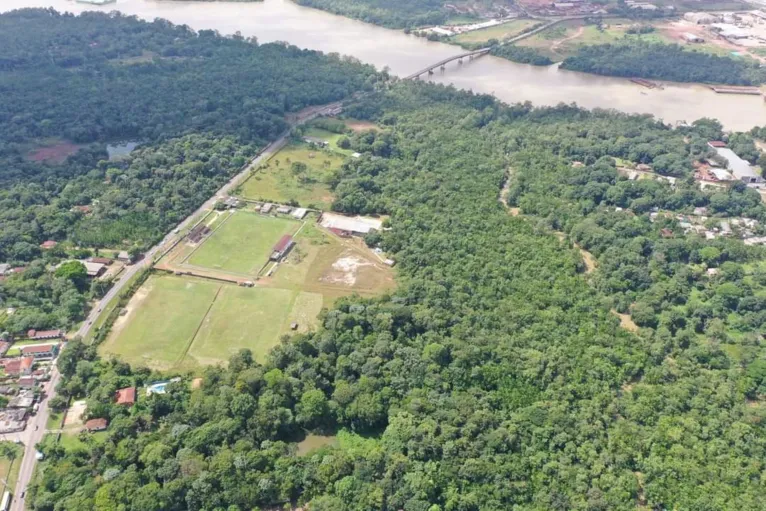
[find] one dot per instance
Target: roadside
(36, 426)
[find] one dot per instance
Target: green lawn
(10, 465)
(163, 318)
(499, 32)
(253, 318)
(183, 323)
(278, 181)
(243, 244)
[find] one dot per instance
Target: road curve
(35, 429)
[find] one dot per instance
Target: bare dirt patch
(75, 413)
(626, 321)
(55, 153)
(345, 269)
(588, 259)
(358, 126)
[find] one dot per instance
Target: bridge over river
(430, 69)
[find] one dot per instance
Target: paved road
(35, 430)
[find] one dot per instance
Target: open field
(281, 180)
(163, 317)
(243, 243)
(498, 32)
(253, 318)
(182, 323)
(565, 39)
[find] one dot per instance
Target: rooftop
(42, 348)
(126, 396)
(739, 167)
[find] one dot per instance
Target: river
(282, 20)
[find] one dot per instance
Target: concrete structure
(738, 167)
(720, 174)
(266, 208)
(284, 210)
(282, 247)
(13, 421)
(42, 352)
(316, 141)
(96, 425)
(5, 268)
(43, 335)
(299, 213)
(124, 256)
(701, 18)
(692, 38)
(25, 399)
(126, 396)
(358, 225)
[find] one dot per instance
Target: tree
(74, 271)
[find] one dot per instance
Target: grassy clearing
(565, 39)
(253, 318)
(280, 180)
(54, 420)
(162, 320)
(499, 32)
(313, 442)
(242, 244)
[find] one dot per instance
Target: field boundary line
(183, 261)
(199, 326)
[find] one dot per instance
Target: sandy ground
(345, 269)
(626, 322)
(75, 413)
(362, 126)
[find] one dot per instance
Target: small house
(300, 213)
(94, 425)
(100, 260)
(124, 257)
(266, 208)
(282, 247)
(48, 244)
(126, 396)
(284, 210)
(26, 382)
(94, 269)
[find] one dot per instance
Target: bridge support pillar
(443, 68)
(459, 62)
(430, 71)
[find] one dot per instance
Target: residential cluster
(747, 229)
(26, 364)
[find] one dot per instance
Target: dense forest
(664, 62)
(199, 104)
(498, 375)
(521, 54)
(388, 13)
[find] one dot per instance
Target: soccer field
(163, 317)
(253, 318)
(243, 243)
(183, 323)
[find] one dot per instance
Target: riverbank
(402, 54)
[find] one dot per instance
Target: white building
(738, 167)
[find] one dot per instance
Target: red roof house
(100, 260)
(19, 366)
(126, 396)
(27, 381)
(96, 425)
(41, 335)
(48, 244)
(716, 143)
(282, 247)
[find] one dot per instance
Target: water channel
(282, 20)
